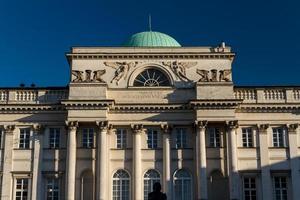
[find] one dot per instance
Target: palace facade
(150, 111)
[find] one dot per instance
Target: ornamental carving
(38, 128)
(179, 68)
(88, 76)
(232, 124)
(121, 70)
(201, 124)
(137, 128)
(104, 125)
(9, 128)
(212, 75)
(166, 128)
(72, 125)
(293, 127)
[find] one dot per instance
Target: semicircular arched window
(151, 78)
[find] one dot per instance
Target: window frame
(214, 137)
(52, 179)
(277, 136)
(24, 138)
(280, 189)
(181, 138)
(183, 180)
(22, 190)
(54, 143)
(120, 186)
(121, 138)
(152, 138)
(152, 180)
(247, 137)
(88, 138)
(250, 189)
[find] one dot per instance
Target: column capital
(137, 128)
(262, 128)
(232, 124)
(292, 128)
(202, 124)
(38, 128)
(104, 125)
(9, 128)
(166, 128)
(72, 125)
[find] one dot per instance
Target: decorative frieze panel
(121, 70)
(179, 68)
(214, 75)
(88, 76)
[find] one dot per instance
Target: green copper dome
(151, 39)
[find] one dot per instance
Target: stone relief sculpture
(204, 75)
(212, 75)
(224, 75)
(98, 76)
(86, 76)
(179, 68)
(78, 76)
(121, 69)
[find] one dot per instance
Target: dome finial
(150, 25)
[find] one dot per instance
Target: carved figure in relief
(98, 76)
(213, 75)
(203, 74)
(88, 75)
(121, 68)
(179, 68)
(224, 75)
(78, 76)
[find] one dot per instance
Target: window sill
(278, 147)
(22, 148)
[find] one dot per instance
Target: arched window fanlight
(151, 78)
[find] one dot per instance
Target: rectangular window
(214, 137)
(247, 137)
(152, 138)
(1, 135)
(88, 138)
(54, 138)
(121, 138)
(280, 188)
(181, 138)
(279, 135)
(53, 189)
(24, 138)
(249, 188)
(21, 189)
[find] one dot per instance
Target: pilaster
(37, 162)
(103, 159)
(167, 181)
(201, 160)
(233, 173)
(71, 160)
(137, 129)
(7, 183)
(266, 181)
(293, 130)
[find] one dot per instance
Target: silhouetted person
(157, 194)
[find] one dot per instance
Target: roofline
(35, 88)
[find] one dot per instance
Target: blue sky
(35, 35)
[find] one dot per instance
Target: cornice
(87, 104)
(268, 108)
(151, 56)
(215, 104)
(150, 108)
(30, 108)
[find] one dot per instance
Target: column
(294, 159)
(137, 129)
(201, 160)
(233, 173)
(71, 161)
(266, 180)
(7, 162)
(102, 163)
(37, 185)
(167, 181)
